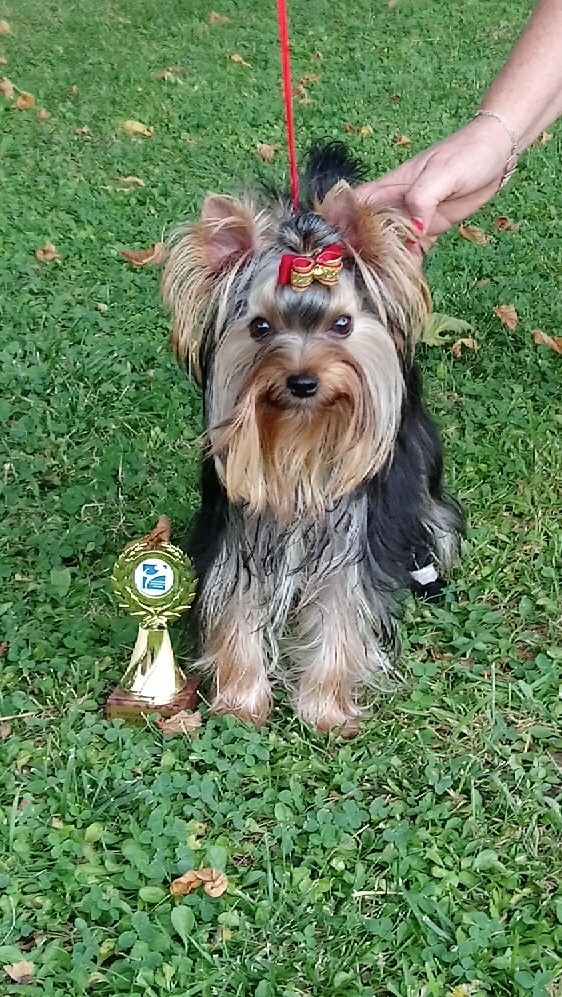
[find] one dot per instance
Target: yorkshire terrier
(321, 484)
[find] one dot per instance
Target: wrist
(515, 147)
(496, 141)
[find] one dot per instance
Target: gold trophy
(154, 582)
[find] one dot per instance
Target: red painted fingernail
(417, 223)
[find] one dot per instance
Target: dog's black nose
(302, 385)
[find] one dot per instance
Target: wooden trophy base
(133, 709)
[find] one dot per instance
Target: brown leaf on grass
(474, 234)
(365, 130)
(395, 98)
(215, 18)
(507, 316)
(133, 180)
(47, 253)
(349, 128)
(156, 255)
(185, 884)
(181, 723)
(214, 882)
(161, 533)
(83, 130)
(73, 90)
(7, 88)
(170, 73)
(3, 60)
(553, 342)
(20, 972)
(5, 731)
(309, 78)
(469, 344)
(391, 4)
(545, 137)
(217, 884)
(240, 61)
(301, 92)
(4, 647)
(504, 224)
(43, 115)
(402, 140)
(25, 101)
(5, 28)
(132, 128)
(318, 56)
(266, 152)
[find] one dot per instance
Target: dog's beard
(296, 457)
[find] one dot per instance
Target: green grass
(425, 853)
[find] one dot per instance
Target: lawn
(426, 853)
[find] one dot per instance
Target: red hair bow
(300, 271)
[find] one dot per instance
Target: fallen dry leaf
(4, 648)
(240, 61)
(43, 115)
(132, 127)
(185, 884)
(507, 316)
(553, 342)
(161, 533)
(47, 253)
(5, 731)
(170, 73)
(504, 224)
(83, 130)
(395, 98)
(215, 18)
(309, 78)
(25, 101)
(182, 722)
(266, 152)
(20, 972)
(469, 344)
(217, 885)
(350, 128)
(3, 60)
(102, 307)
(5, 28)
(73, 90)
(545, 137)
(140, 257)
(402, 140)
(474, 234)
(7, 88)
(214, 882)
(366, 130)
(391, 3)
(318, 56)
(134, 180)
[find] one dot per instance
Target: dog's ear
(202, 257)
(354, 220)
(227, 230)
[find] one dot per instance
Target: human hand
(447, 182)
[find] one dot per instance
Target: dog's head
(308, 320)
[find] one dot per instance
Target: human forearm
(528, 90)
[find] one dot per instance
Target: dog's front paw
(252, 707)
(330, 717)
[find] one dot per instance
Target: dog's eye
(260, 328)
(342, 326)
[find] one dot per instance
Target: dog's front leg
(335, 651)
(234, 653)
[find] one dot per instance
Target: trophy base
(133, 709)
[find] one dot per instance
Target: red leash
(288, 98)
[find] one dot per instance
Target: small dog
(321, 484)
